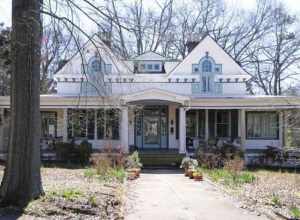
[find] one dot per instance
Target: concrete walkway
(168, 195)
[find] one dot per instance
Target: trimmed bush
(84, 152)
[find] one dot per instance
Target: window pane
(91, 124)
(204, 88)
(177, 124)
(100, 124)
(201, 124)
(77, 123)
(49, 124)
(112, 124)
(222, 123)
(206, 66)
(191, 123)
(262, 125)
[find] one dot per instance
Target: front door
(151, 127)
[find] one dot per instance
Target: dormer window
(150, 67)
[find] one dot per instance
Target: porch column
(182, 131)
(124, 129)
(242, 127)
(281, 128)
(206, 125)
(65, 125)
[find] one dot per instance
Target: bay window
(262, 125)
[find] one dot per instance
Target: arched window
(96, 65)
(206, 66)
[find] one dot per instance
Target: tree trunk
(22, 179)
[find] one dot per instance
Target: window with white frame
(108, 124)
(150, 67)
(262, 125)
(82, 124)
(222, 119)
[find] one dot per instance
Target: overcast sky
(293, 5)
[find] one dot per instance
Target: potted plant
(197, 175)
(192, 167)
(133, 164)
(185, 164)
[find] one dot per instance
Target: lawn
(276, 192)
(77, 193)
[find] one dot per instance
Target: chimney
(106, 37)
(192, 41)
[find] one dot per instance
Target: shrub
(92, 201)
(84, 152)
(210, 160)
(295, 212)
(234, 166)
(89, 173)
(63, 150)
(102, 164)
(133, 161)
(275, 201)
(185, 163)
(246, 177)
(118, 173)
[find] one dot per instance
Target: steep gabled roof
(208, 44)
(73, 66)
(150, 55)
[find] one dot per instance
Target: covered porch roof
(162, 97)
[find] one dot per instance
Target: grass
(295, 212)
(275, 201)
(71, 194)
(111, 174)
(229, 178)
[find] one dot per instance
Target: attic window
(206, 66)
(96, 65)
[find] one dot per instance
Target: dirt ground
(71, 195)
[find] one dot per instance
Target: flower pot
(137, 172)
(190, 174)
(186, 172)
(198, 177)
(131, 175)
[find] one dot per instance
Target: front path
(168, 195)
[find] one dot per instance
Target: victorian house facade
(152, 102)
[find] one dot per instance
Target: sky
(293, 5)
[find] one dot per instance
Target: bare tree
(277, 55)
(5, 61)
(22, 179)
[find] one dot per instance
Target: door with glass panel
(151, 127)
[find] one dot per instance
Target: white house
(152, 102)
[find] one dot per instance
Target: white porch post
(182, 131)
(281, 128)
(65, 125)
(124, 129)
(206, 125)
(242, 127)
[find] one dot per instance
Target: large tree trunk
(22, 179)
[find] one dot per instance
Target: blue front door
(151, 127)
